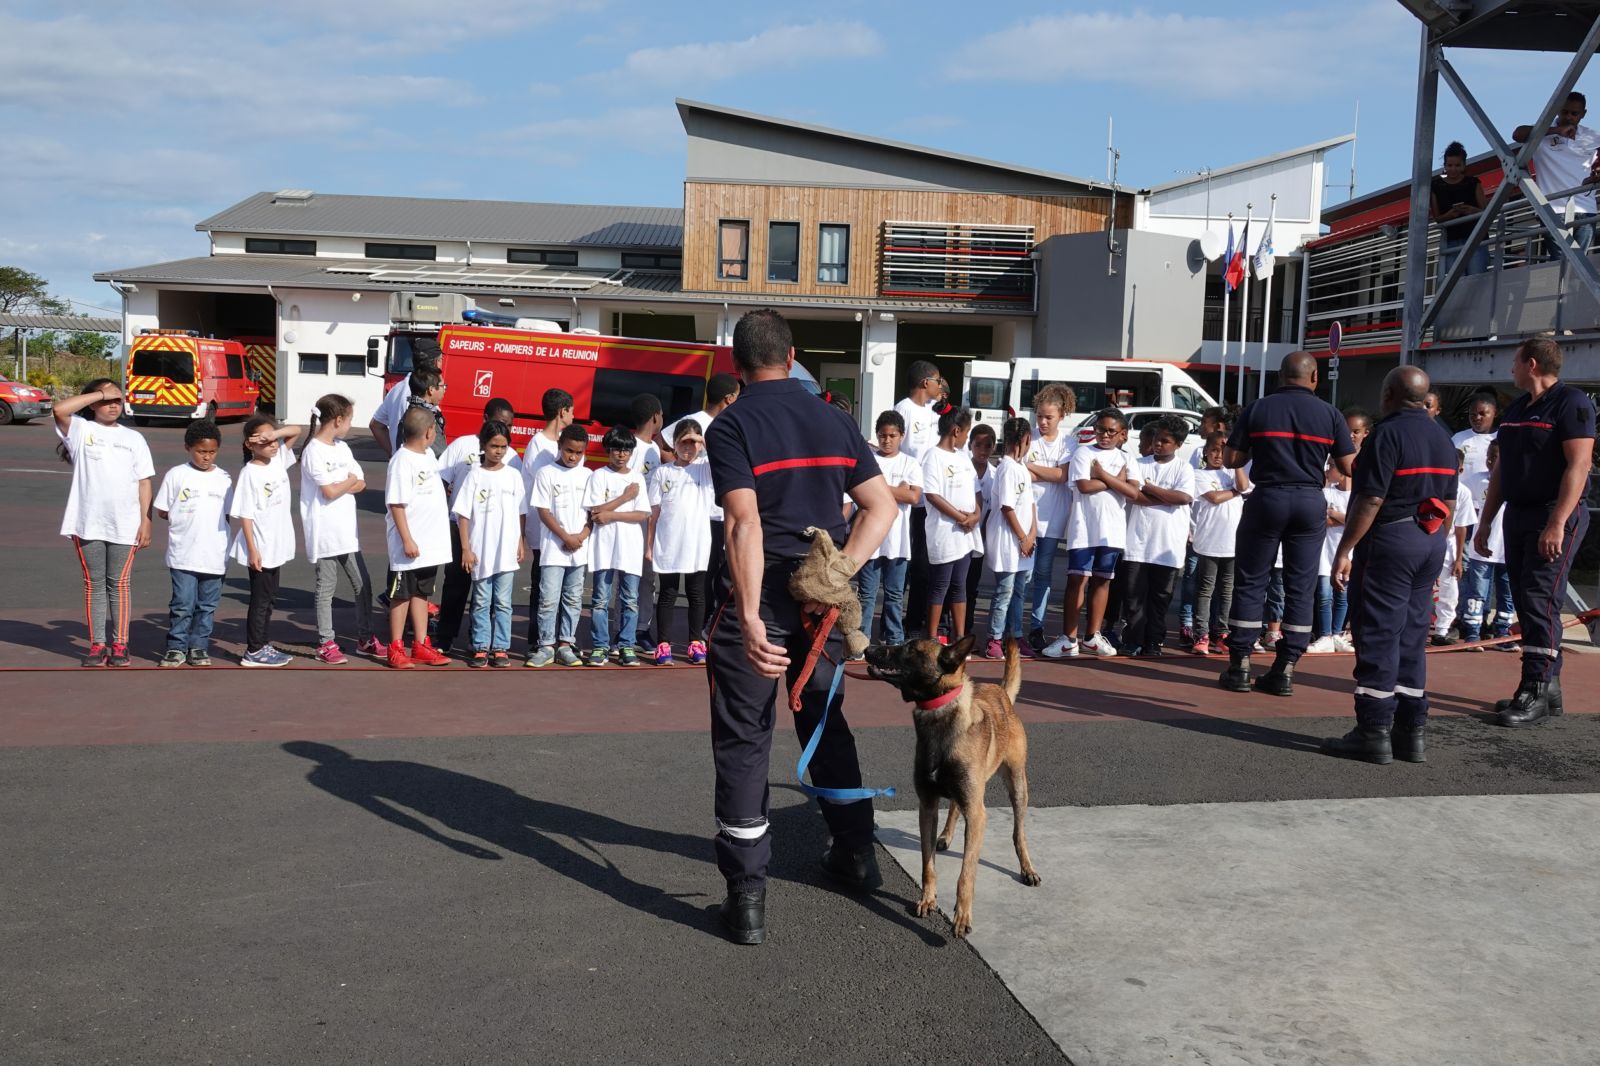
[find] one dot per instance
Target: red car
(19, 402)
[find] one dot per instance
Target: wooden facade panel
(864, 211)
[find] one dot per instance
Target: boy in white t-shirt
(1011, 536)
(458, 458)
(1448, 591)
(564, 533)
(557, 407)
(1473, 442)
(1486, 575)
(1048, 460)
(418, 536)
(1158, 537)
(1101, 481)
(1218, 504)
(1332, 603)
(886, 569)
(491, 502)
(678, 537)
(193, 499)
(619, 506)
(644, 424)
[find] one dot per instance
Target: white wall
(330, 323)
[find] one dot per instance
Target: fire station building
(878, 252)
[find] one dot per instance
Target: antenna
(1113, 157)
(1354, 133)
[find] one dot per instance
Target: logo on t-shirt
(268, 489)
(422, 477)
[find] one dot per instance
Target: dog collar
(939, 701)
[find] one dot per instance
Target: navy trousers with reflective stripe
(743, 706)
(1539, 588)
(1295, 517)
(1391, 607)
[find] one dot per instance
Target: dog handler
(1288, 438)
(1546, 449)
(1393, 545)
(780, 463)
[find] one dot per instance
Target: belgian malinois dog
(965, 732)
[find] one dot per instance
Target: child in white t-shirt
(1158, 537)
(678, 537)
(1485, 575)
(619, 506)
(108, 509)
(981, 446)
(1097, 528)
(1448, 591)
(417, 536)
(564, 533)
(950, 492)
(193, 499)
(491, 504)
(264, 538)
(1218, 504)
(1332, 603)
(460, 456)
(1049, 460)
(1011, 535)
(330, 479)
(886, 569)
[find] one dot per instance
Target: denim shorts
(1100, 561)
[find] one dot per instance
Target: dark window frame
(279, 246)
(310, 367)
(350, 365)
(542, 256)
(845, 265)
(723, 262)
(389, 250)
(652, 261)
(793, 225)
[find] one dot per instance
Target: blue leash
(832, 795)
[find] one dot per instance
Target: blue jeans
(189, 615)
(1191, 566)
(626, 587)
(1275, 601)
(1332, 607)
(1044, 572)
(1481, 580)
(1450, 250)
(890, 576)
(560, 598)
(1005, 610)
(491, 612)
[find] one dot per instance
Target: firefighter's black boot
(1279, 680)
(1409, 742)
(1368, 743)
(1534, 702)
(1236, 678)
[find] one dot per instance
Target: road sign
(1333, 375)
(1335, 338)
(1333, 363)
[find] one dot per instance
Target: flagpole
(1266, 303)
(1244, 310)
(1227, 293)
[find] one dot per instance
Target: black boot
(1408, 742)
(744, 916)
(1367, 743)
(853, 868)
(1534, 702)
(1236, 678)
(1278, 681)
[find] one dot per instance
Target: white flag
(1261, 262)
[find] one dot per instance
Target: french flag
(1233, 275)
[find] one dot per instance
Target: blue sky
(124, 124)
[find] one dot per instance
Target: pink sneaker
(994, 650)
(329, 653)
(1202, 646)
(374, 647)
(697, 652)
(1024, 649)
(663, 654)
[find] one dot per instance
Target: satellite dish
(1211, 246)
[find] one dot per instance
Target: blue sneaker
(266, 655)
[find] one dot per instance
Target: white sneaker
(1340, 644)
(1322, 646)
(1064, 647)
(1099, 645)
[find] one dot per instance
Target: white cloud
(781, 46)
(1284, 54)
(642, 129)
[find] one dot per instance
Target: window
(733, 251)
(611, 401)
(833, 254)
(1188, 399)
(313, 364)
(352, 365)
(543, 256)
(988, 393)
(783, 251)
(401, 251)
(277, 246)
(649, 261)
(236, 366)
(176, 367)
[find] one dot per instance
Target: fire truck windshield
(176, 367)
(403, 348)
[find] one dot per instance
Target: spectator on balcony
(1561, 161)
(1456, 200)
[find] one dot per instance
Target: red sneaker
(397, 657)
(425, 654)
(433, 609)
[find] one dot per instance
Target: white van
(991, 387)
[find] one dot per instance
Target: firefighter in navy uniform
(1287, 438)
(1391, 552)
(780, 462)
(1546, 450)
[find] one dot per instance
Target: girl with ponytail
(330, 480)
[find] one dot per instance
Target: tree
(96, 345)
(20, 291)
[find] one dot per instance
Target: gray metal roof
(410, 218)
(75, 323)
(369, 275)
